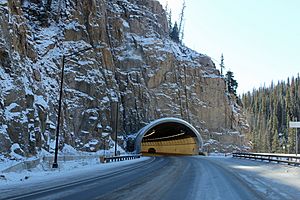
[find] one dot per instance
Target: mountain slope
(125, 55)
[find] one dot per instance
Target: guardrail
(118, 158)
(289, 159)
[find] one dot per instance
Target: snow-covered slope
(125, 55)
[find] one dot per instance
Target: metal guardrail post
(118, 158)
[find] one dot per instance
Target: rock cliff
(115, 51)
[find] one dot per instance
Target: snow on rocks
(130, 59)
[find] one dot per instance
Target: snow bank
(44, 172)
(68, 153)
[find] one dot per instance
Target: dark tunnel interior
(168, 131)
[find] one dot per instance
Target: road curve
(166, 178)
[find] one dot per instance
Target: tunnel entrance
(168, 136)
(151, 150)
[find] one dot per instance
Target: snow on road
(269, 178)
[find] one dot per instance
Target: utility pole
(116, 126)
(116, 135)
(55, 164)
(115, 119)
(104, 143)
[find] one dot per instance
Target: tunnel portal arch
(169, 121)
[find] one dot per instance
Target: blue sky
(260, 39)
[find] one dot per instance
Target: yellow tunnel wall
(187, 146)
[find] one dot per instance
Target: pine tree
(231, 83)
(291, 139)
(263, 127)
(275, 142)
(181, 24)
(222, 64)
(48, 5)
(175, 33)
(275, 139)
(169, 18)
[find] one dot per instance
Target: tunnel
(168, 136)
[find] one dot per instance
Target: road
(166, 178)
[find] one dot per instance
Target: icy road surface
(167, 178)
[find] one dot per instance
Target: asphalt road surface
(166, 178)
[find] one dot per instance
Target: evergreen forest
(269, 111)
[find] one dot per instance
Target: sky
(260, 39)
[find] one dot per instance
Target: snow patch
(3, 129)
(39, 100)
(16, 147)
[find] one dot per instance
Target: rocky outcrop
(115, 51)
